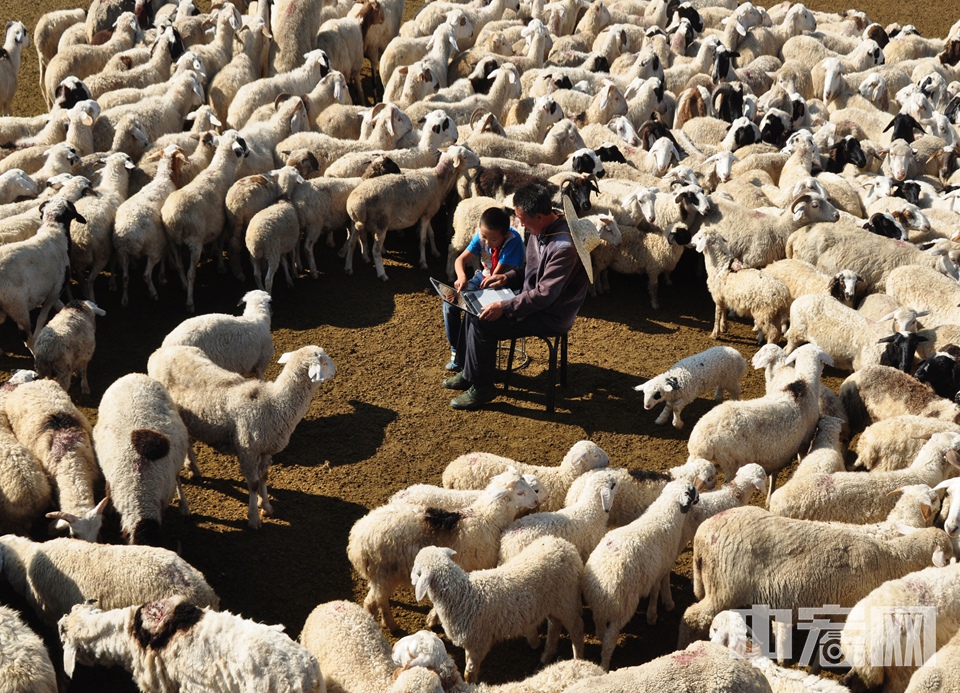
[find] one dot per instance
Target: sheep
(542, 581)
(937, 672)
(739, 557)
(141, 443)
(343, 41)
(24, 225)
(803, 278)
(33, 270)
(174, 644)
(138, 230)
(47, 32)
(218, 52)
(454, 499)
(399, 201)
(745, 291)
(833, 496)
(25, 665)
(251, 419)
(867, 635)
(65, 344)
(297, 81)
(703, 667)
(923, 287)
(273, 238)
(42, 162)
(882, 392)
(14, 183)
(245, 67)
(851, 340)
(718, 368)
(633, 561)
(15, 40)
(476, 469)
(384, 543)
(24, 488)
(583, 523)
(506, 86)
(194, 215)
(560, 142)
(402, 51)
(733, 494)
(893, 443)
(768, 430)
(55, 575)
(167, 49)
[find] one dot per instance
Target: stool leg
(563, 360)
(506, 376)
(552, 375)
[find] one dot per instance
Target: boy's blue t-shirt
(512, 252)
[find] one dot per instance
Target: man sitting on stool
(554, 287)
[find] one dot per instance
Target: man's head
(494, 227)
(533, 206)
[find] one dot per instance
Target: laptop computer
(471, 301)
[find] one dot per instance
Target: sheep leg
(652, 290)
(148, 278)
(474, 658)
(184, 508)
(553, 640)
(285, 266)
(265, 505)
(696, 621)
(190, 467)
(379, 238)
(718, 321)
(178, 265)
(677, 421)
(346, 252)
(533, 637)
(666, 596)
(194, 249)
(124, 266)
(308, 242)
(378, 603)
(84, 385)
(610, 635)
(575, 630)
(652, 607)
(234, 253)
(424, 233)
(664, 415)
(272, 264)
(23, 321)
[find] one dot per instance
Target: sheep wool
(25, 665)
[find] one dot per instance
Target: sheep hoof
(382, 277)
(348, 272)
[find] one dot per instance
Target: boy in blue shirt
(501, 252)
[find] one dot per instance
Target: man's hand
(493, 281)
(494, 311)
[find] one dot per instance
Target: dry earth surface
(385, 423)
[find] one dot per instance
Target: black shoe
(457, 382)
(473, 399)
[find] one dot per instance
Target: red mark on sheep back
(154, 624)
(150, 445)
(291, 7)
(688, 657)
(826, 483)
(64, 442)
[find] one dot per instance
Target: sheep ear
(97, 310)
(939, 559)
(671, 384)
(799, 211)
(69, 660)
(953, 458)
(423, 584)
(316, 373)
(285, 357)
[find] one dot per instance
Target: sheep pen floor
(385, 422)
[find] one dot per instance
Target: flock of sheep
(810, 159)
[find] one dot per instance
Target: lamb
(15, 41)
(167, 49)
(174, 644)
(25, 665)
(246, 66)
(893, 443)
(194, 215)
(384, 543)
(24, 488)
(803, 278)
(633, 561)
(739, 558)
(33, 270)
(399, 201)
(542, 581)
(718, 368)
(14, 183)
(882, 392)
(768, 430)
(834, 496)
(138, 230)
(251, 419)
(343, 41)
(55, 575)
(744, 291)
(868, 635)
(273, 239)
(851, 340)
(583, 523)
(141, 445)
(65, 344)
(321, 206)
(298, 81)
(454, 499)
(476, 469)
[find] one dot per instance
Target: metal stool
(557, 346)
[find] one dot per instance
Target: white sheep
(47, 32)
(24, 488)
(939, 670)
(241, 344)
(768, 430)
(739, 558)
(249, 418)
(55, 575)
(893, 443)
(583, 523)
(14, 183)
(273, 240)
(744, 291)
(141, 444)
(297, 81)
(718, 368)
(803, 278)
(633, 561)
(25, 665)
(66, 344)
(542, 581)
(399, 201)
(48, 424)
(194, 215)
(15, 40)
(835, 496)
(174, 644)
(455, 499)
(475, 470)
(384, 543)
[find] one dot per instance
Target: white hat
(585, 235)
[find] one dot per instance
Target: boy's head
(494, 227)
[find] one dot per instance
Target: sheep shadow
(340, 439)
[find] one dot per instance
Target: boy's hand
(460, 284)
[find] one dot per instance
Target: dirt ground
(385, 423)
